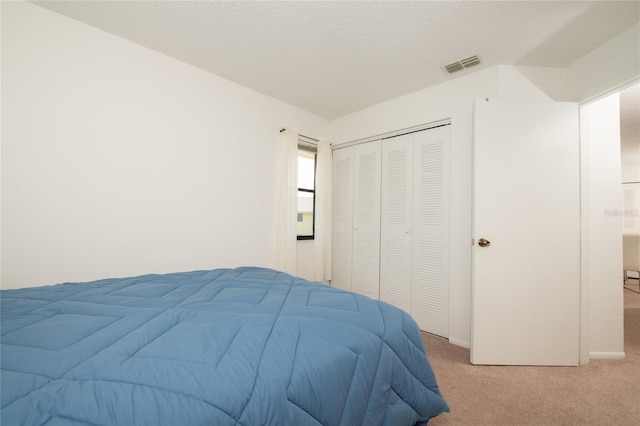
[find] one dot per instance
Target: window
(306, 190)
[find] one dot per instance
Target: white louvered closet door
(366, 219)
(396, 221)
(343, 168)
(430, 289)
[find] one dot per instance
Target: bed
(242, 346)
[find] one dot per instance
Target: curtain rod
(302, 136)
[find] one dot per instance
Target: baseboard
(459, 343)
(606, 355)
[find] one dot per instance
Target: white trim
(607, 355)
(585, 214)
(615, 89)
(399, 132)
(461, 343)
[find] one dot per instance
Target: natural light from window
(306, 192)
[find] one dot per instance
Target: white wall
(117, 160)
(602, 226)
(305, 259)
(532, 83)
(631, 171)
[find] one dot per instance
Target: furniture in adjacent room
(631, 259)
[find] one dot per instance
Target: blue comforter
(244, 346)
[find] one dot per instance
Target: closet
(391, 223)
(356, 218)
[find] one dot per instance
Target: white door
(396, 227)
(414, 251)
(343, 167)
(430, 262)
(365, 276)
(526, 276)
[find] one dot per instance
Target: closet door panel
(396, 221)
(343, 167)
(430, 290)
(366, 219)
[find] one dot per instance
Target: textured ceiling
(334, 58)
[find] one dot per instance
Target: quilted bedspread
(244, 346)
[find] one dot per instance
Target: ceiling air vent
(456, 66)
(461, 64)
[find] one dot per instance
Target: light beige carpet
(602, 392)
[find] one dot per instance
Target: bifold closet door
(365, 276)
(414, 231)
(391, 223)
(430, 261)
(396, 221)
(343, 166)
(356, 218)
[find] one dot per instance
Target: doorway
(602, 330)
(630, 162)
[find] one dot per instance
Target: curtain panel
(286, 238)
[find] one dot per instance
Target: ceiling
(334, 58)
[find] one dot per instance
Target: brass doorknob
(484, 243)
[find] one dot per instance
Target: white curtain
(323, 212)
(286, 238)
